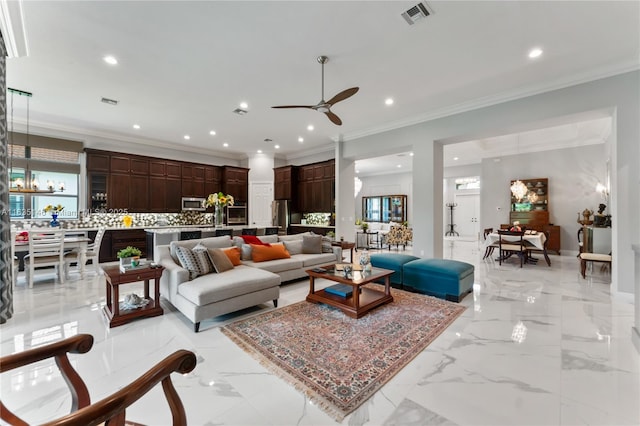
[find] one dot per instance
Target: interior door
(466, 215)
(261, 196)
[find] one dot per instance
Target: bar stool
(224, 232)
(250, 231)
(271, 230)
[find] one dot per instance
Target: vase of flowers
(55, 210)
(218, 201)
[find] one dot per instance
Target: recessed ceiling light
(455, 158)
(225, 144)
(310, 127)
(535, 52)
(187, 137)
(357, 171)
(277, 147)
(388, 101)
(244, 105)
(300, 139)
(411, 154)
(136, 126)
(212, 133)
(399, 166)
(259, 151)
(111, 60)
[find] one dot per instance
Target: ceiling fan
(325, 106)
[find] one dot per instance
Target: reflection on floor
(536, 346)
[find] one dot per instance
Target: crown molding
(13, 29)
(311, 151)
(588, 76)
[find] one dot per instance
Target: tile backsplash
(114, 220)
(317, 218)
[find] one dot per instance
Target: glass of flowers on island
(218, 201)
(55, 210)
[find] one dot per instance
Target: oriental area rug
(337, 361)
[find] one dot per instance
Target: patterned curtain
(6, 270)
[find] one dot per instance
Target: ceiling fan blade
(334, 118)
(294, 106)
(343, 95)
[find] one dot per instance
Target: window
(45, 166)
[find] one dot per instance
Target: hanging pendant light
(519, 190)
(26, 185)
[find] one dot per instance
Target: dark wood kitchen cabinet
(284, 182)
(316, 187)
(235, 182)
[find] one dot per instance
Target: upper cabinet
(314, 187)
(235, 182)
(133, 183)
(385, 208)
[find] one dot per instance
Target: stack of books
(342, 290)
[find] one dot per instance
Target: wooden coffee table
(362, 300)
(115, 279)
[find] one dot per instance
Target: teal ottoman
(393, 261)
(443, 278)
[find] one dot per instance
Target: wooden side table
(345, 245)
(115, 278)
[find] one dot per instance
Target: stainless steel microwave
(193, 204)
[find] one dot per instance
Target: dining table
(534, 240)
(74, 240)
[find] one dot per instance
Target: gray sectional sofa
(246, 285)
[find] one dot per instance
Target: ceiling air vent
(109, 101)
(240, 111)
(417, 12)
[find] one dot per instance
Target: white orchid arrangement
(218, 199)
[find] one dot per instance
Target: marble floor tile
(536, 345)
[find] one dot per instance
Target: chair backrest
(97, 241)
(580, 233)
(513, 238)
(486, 232)
(250, 231)
(46, 243)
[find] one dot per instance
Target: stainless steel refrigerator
(281, 215)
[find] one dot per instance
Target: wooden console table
(115, 278)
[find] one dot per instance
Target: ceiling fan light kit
(325, 106)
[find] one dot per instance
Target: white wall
(614, 96)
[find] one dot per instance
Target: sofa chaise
(252, 282)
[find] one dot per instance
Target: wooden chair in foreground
(110, 410)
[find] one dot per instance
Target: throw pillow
(262, 253)
(220, 261)
(293, 246)
(252, 239)
(326, 245)
(233, 253)
(195, 260)
(312, 244)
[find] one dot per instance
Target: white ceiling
(184, 66)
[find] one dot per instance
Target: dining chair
(580, 242)
(92, 253)
(511, 242)
(15, 263)
(46, 248)
(489, 250)
(533, 249)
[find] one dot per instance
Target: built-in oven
(193, 204)
(236, 215)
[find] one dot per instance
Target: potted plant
(129, 257)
